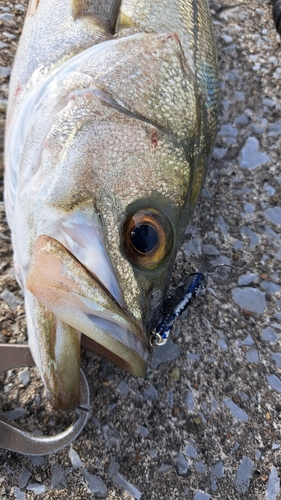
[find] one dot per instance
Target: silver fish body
(111, 121)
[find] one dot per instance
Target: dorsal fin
(104, 11)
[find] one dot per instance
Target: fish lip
(77, 297)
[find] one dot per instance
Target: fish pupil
(144, 238)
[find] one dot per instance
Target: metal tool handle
(15, 439)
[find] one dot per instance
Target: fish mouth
(78, 298)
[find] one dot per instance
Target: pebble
(24, 377)
(274, 382)
(58, 479)
(254, 238)
(111, 435)
(210, 250)
(252, 355)
(273, 486)
(243, 476)
(241, 120)
(274, 129)
(200, 467)
(269, 335)
(276, 356)
(123, 387)
(250, 299)
(219, 153)
(188, 399)
(246, 279)
(270, 287)
(201, 496)
(250, 157)
(14, 414)
(20, 495)
(235, 410)
(96, 484)
(76, 461)
(37, 488)
(5, 71)
(10, 298)
(37, 460)
(222, 344)
(182, 465)
(222, 225)
(218, 470)
(170, 398)
(190, 451)
(113, 468)
(193, 246)
(151, 393)
(273, 215)
(7, 18)
(24, 477)
(165, 468)
(248, 340)
(168, 352)
(143, 431)
(20, 7)
(228, 131)
(227, 38)
(128, 487)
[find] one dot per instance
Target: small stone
(222, 344)
(270, 287)
(168, 352)
(5, 71)
(235, 410)
(24, 478)
(200, 467)
(249, 299)
(269, 335)
(37, 488)
(250, 157)
(20, 7)
(248, 340)
(246, 279)
(24, 377)
(276, 356)
(193, 246)
(7, 18)
(123, 388)
(254, 238)
(201, 496)
(218, 470)
(222, 225)
(241, 120)
(252, 355)
(165, 468)
(219, 153)
(228, 131)
(275, 129)
(128, 487)
(227, 38)
(170, 398)
(210, 250)
(273, 215)
(37, 460)
(190, 451)
(182, 465)
(14, 414)
(10, 298)
(275, 382)
(188, 399)
(243, 476)
(175, 374)
(113, 468)
(20, 495)
(74, 458)
(151, 393)
(58, 479)
(143, 431)
(96, 484)
(273, 486)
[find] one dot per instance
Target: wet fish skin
(112, 112)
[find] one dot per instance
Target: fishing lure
(195, 285)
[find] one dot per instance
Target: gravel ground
(205, 422)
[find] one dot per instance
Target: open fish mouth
(78, 298)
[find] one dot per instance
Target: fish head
(113, 166)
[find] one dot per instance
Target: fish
(111, 120)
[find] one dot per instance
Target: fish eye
(147, 238)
